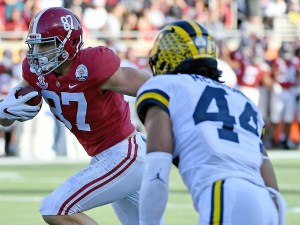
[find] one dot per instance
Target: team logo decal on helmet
(81, 73)
(180, 41)
(58, 28)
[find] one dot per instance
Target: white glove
(13, 108)
(281, 204)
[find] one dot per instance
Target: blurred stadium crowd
(258, 50)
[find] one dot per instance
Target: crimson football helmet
(59, 31)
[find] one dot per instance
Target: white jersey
(217, 130)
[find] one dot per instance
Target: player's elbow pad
(154, 189)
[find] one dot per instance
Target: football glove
(12, 108)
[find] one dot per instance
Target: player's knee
(51, 220)
(46, 207)
(60, 220)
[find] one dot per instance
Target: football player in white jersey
(212, 131)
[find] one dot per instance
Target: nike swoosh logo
(72, 86)
(6, 111)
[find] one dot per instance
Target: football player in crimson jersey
(209, 130)
(84, 89)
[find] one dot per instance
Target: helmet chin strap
(36, 69)
(48, 66)
(43, 60)
(45, 64)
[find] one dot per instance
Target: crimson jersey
(251, 74)
(98, 119)
(285, 71)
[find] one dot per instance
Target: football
(27, 89)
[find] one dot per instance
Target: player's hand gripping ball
(28, 89)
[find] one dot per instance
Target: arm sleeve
(155, 188)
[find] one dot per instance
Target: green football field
(24, 184)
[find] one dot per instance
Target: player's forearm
(6, 122)
(154, 188)
(268, 173)
(135, 79)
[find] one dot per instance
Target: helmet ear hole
(162, 65)
(74, 41)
